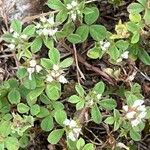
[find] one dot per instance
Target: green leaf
(90, 18)
(61, 16)
(123, 45)
(109, 120)
(135, 17)
(52, 92)
(66, 62)
(89, 146)
(55, 4)
(12, 143)
(60, 116)
(2, 146)
(132, 27)
(7, 37)
(44, 112)
(14, 96)
(74, 38)
(21, 73)
(114, 52)
(108, 104)
(49, 43)
(30, 84)
(94, 53)
(35, 93)
(24, 141)
(22, 108)
(46, 63)
(80, 105)
(55, 136)
(143, 2)
(83, 32)
(74, 99)
(135, 38)
(16, 25)
(35, 109)
(146, 16)
(80, 143)
(5, 128)
(98, 32)
(47, 123)
(96, 114)
(135, 8)
(36, 45)
(144, 56)
(29, 30)
(80, 90)
(58, 105)
(99, 87)
(54, 56)
(135, 135)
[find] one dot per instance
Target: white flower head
(125, 55)
(15, 35)
(130, 115)
(119, 60)
(69, 6)
(43, 19)
(71, 136)
(38, 25)
(32, 63)
(30, 71)
(45, 31)
(38, 68)
(122, 145)
(142, 115)
(141, 108)
(11, 46)
(135, 113)
(52, 32)
(77, 130)
(73, 16)
(138, 103)
(55, 67)
(51, 20)
(125, 108)
(99, 96)
(104, 45)
(66, 122)
(73, 124)
(24, 36)
(74, 3)
(135, 122)
(62, 79)
(49, 78)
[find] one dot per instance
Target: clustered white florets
(33, 68)
(46, 27)
(90, 100)
(16, 35)
(74, 129)
(73, 10)
(56, 75)
(124, 55)
(104, 45)
(136, 112)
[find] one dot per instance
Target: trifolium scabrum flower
(33, 67)
(73, 128)
(46, 26)
(56, 74)
(104, 45)
(135, 113)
